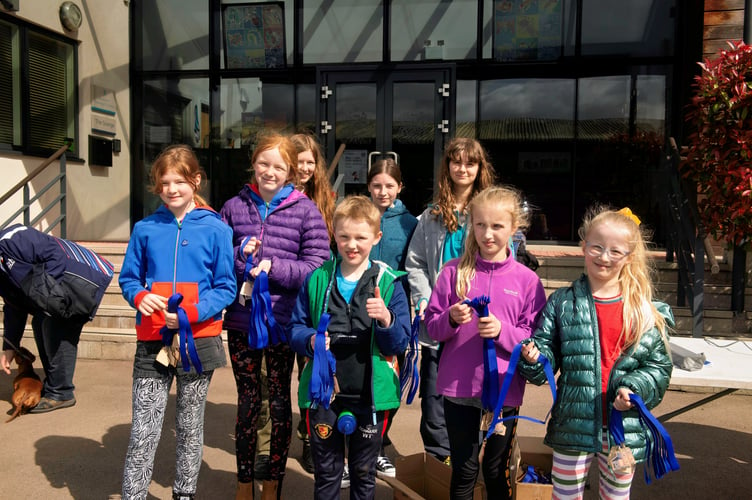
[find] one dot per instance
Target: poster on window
(527, 30)
(254, 35)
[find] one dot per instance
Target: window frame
(23, 141)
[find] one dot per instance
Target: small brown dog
(27, 386)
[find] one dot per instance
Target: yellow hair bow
(626, 212)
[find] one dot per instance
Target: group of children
(266, 259)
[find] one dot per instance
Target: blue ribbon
(659, 450)
(490, 365)
(263, 329)
(187, 344)
(323, 369)
(410, 375)
(511, 369)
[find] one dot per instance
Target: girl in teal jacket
(609, 340)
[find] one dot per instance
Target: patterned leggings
(246, 366)
(149, 402)
(570, 472)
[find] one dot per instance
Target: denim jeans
(57, 343)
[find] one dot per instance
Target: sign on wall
(527, 30)
(254, 35)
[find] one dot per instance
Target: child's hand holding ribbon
(460, 313)
(489, 327)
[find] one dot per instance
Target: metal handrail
(28, 199)
(687, 239)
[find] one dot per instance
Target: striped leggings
(149, 401)
(570, 472)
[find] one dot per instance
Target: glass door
(403, 113)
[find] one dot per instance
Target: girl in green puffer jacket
(609, 340)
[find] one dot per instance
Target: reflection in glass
(306, 108)
(531, 31)
(174, 111)
(175, 34)
(433, 29)
(527, 109)
(413, 113)
(467, 97)
(651, 104)
(636, 27)
(603, 107)
(351, 32)
(356, 113)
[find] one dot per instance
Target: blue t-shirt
(346, 287)
(454, 243)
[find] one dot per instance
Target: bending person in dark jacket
(609, 341)
(59, 283)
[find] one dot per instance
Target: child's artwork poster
(527, 30)
(254, 35)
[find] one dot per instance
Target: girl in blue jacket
(609, 340)
(183, 248)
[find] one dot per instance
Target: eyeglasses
(614, 254)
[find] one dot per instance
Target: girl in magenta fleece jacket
(516, 299)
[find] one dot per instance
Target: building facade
(574, 99)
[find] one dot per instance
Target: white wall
(98, 197)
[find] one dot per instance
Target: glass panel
(355, 125)
(603, 107)
(651, 104)
(413, 133)
(175, 34)
(531, 31)
(52, 92)
(351, 32)
(527, 109)
(174, 111)
(433, 29)
(635, 28)
(307, 100)
(467, 100)
(272, 37)
(527, 126)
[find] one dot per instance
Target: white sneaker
(345, 478)
(384, 467)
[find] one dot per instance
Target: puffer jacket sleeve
(546, 339)
(650, 379)
(314, 250)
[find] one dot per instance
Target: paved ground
(78, 452)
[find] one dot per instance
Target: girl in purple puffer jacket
(283, 233)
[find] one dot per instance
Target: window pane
(175, 34)
(307, 100)
(247, 34)
(351, 32)
(433, 29)
(636, 27)
(651, 104)
(7, 109)
(467, 96)
(52, 93)
(603, 107)
(175, 111)
(527, 109)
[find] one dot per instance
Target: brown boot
(269, 490)
(244, 491)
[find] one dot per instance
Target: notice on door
(355, 166)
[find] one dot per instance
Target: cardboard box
(531, 451)
(422, 476)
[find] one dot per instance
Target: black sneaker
(261, 468)
(306, 460)
(345, 478)
(384, 467)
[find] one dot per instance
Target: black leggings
(463, 427)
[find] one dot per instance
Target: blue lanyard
(513, 360)
(324, 367)
(263, 329)
(188, 353)
(490, 392)
(659, 450)
(410, 376)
